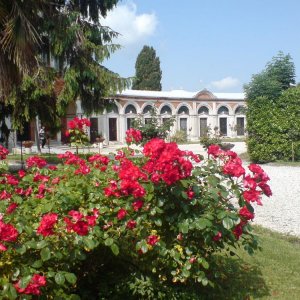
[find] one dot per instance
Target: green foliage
(184, 216)
(67, 46)
(155, 127)
(273, 129)
(272, 115)
(278, 75)
(180, 136)
(148, 72)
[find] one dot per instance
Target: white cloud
(131, 26)
(225, 83)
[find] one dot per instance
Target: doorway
(112, 129)
(223, 126)
(93, 129)
(240, 126)
(203, 127)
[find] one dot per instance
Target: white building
(194, 113)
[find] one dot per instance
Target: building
(194, 113)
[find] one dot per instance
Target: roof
(180, 94)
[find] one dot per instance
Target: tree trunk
(36, 132)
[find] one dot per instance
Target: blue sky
(213, 44)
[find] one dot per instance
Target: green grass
(272, 273)
(50, 158)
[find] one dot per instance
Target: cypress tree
(148, 72)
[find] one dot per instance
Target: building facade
(194, 113)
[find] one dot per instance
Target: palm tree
(19, 41)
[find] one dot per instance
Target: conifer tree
(148, 72)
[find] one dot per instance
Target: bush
(157, 217)
(274, 127)
(180, 136)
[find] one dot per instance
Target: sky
(212, 44)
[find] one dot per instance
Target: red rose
(131, 224)
(47, 224)
(11, 208)
(246, 214)
(33, 288)
(122, 213)
(152, 240)
(217, 237)
(233, 168)
(8, 232)
(137, 205)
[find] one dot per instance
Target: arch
(203, 110)
(183, 110)
(240, 110)
(130, 109)
(166, 110)
(223, 110)
(147, 109)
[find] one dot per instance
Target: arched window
(240, 110)
(166, 110)
(113, 109)
(183, 110)
(203, 110)
(223, 110)
(147, 109)
(130, 109)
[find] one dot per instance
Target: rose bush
(165, 213)
(77, 132)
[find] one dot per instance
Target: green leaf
(45, 254)
(24, 281)
(37, 264)
(71, 278)
(158, 222)
(115, 249)
(21, 249)
(109, 242)
(227, 223)
(41, 244)
(184, 227)
(59, 278)
(89, 243)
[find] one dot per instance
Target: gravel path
(281, 212)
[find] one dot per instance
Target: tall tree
(58, 59)
(266, 94)
(148, 72)
(278, 75)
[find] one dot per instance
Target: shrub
(162, 217)
(274, 127)
(180, 136)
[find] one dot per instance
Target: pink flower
(137, 205)
(8, 232)
(36, 161)
(133, 135)
(255, 168)
(190, 193)
(217, 237)
(214, 150)
(3, 152)
(122, 213)
(252, 196)
(21, 173)
(131, 224)
(152, 240)
(246, 214)
(4, 195)
(47, 224)
(11, 208)
(233, 168)
(33, 288)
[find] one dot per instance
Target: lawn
(272, 273)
